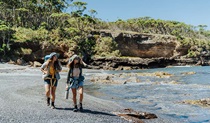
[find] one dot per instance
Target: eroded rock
(124, 78)
(201, 102)
(188, 73)
(20, 62)
(134, 116)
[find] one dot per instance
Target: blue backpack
(46, 58)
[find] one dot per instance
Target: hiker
(76, 80)
(51, 69)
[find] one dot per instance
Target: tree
(6, 34)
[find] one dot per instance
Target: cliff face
(38, 50)
(146, 45)
(144, 51)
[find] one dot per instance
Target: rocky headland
(138, 51)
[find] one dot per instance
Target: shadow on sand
(96, 112)
(87, 111)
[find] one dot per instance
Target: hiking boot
(80, 108)
(52, 105)
(48, 101)
(75, 108)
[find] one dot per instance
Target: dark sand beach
(22, 100)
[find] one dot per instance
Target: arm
(43, 67)
(68, 78)
(83, 63)
(59, 67)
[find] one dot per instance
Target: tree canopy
(46, 20)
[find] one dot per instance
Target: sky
(194, 12)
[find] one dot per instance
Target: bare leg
(53, 89)
(81, 98)
(47, 90)
(81, 94)
(47, 93)
(74, 92)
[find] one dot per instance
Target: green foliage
(3, 47)
(78, 8)
(191, 54)
(153, 26)
(27, 34)
(106, 47)
(45, 21)
(25, 51)
(197, 45)
(6, 35)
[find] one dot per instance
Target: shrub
(106, 47)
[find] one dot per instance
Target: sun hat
(73, 57)
(53, 54)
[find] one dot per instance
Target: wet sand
(22, 100)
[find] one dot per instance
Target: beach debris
(134, 116)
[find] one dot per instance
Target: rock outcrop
(37, 64)
(131, 63)
(146, 45)
(39, 50)
(138, 51)
(201, 102)
(134, 116)
(124, 78)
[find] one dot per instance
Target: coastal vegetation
(49, 21)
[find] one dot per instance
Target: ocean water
(160, 95)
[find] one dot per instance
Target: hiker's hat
(53, 54)
(73, 57)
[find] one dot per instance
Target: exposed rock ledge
(138, 63)
(201, 102)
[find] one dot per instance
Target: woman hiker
(76, 80)
(51, 69)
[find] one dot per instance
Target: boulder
(31, 63)
(37, 64)
(127, 68)
(11, 62)
(134, 116)
(20, 62)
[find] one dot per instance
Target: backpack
(46, 58)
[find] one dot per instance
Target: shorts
(76, 83)
(54, 82)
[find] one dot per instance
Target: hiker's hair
(71, 65)
(56, 64)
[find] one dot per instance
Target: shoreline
(96, 108)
